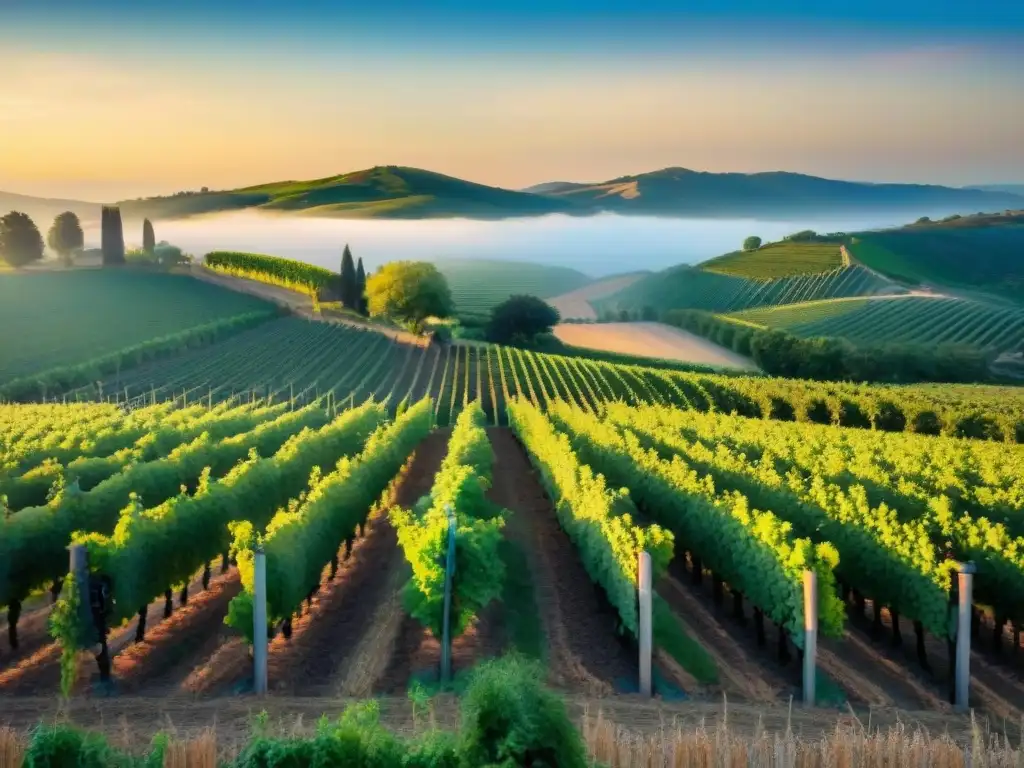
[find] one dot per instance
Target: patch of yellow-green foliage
(783, 259)
(792, 315)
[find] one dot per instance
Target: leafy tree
(410, 292)
(148, 237)
(347, 287)
(112, 235)
(623, 315)
(521, 318)
(65, 237)
(752, 243)
(360, 288)
(20, 241)
(649, 313)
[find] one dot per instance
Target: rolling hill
(390, 192)
(959, 254)
(680, 191)
(399, 192)
(42, 210)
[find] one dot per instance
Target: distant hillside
(987, 258)
(1013, 189)
(680, 191)
(43, 210)
(783, 259)
(392, 192)
(395, 192)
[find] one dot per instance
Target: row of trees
(352, 284)
(21, 242)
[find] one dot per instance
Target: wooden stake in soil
(259, 613)
(646, 625)
(810, 635)
(449, 573)
(965, 584)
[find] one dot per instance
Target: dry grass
(197, 752)
(676, 746)
(715, 742)
(651, 340)
(12, 748)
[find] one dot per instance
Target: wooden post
(646, 623)
(449, 573)
(965, 588)
(810, 635)
(79, 568)
(259, 613)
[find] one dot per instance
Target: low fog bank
(597, 245)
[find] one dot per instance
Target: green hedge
(280, 270)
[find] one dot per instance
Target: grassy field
(57, 319)
(906, 319)
(987, 258)
(478, 285)
(783, 259)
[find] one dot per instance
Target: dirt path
(328, 648)
(651, 340)
(407, 649)
(996, 688)
(583, 651)
(575, 305)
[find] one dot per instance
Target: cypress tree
(360, 288)
(112, 236)
(347, 286)
(148, 237)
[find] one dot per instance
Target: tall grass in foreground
(613, 746)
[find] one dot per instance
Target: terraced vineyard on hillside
(904, 319)
(688, 287)
(783, 259)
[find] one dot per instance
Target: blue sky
(117, 98)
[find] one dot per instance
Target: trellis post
(646, 627)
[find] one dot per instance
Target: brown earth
(575, 305)
(651, 340)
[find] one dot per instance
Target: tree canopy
(410, 292)
(20, 241)
(112, 236)
(148, 236)
(752, 243)
(65, 236)
(360, 288)
(520, 319)
(348, 289)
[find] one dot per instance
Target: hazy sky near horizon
(113, 99)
